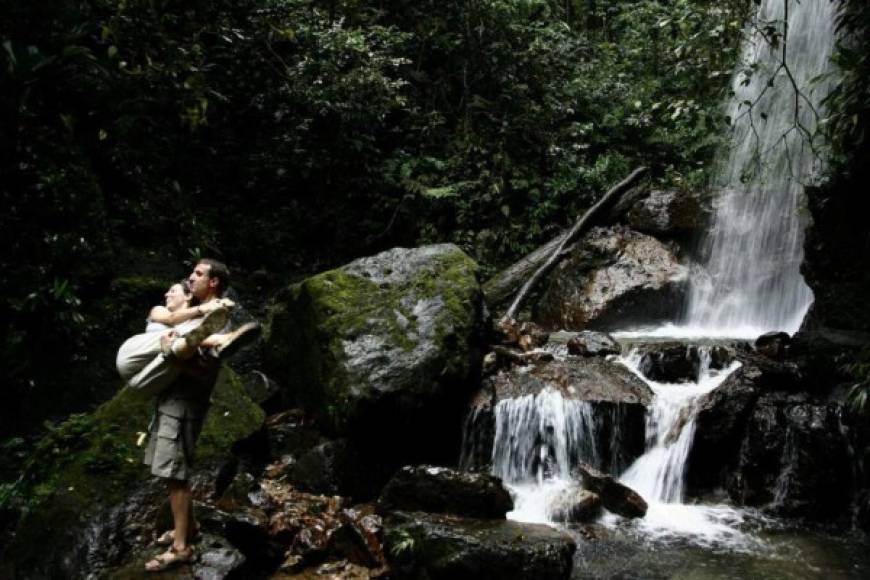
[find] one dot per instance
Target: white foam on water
(659, 474)
(531, 500)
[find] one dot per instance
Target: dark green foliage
(293, 135)
(848, 105)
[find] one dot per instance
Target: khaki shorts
(171, 445)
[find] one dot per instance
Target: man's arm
(162, 315)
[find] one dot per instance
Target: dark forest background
(289, 136)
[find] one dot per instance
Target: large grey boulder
(614, 277)
(666, 212)
(384, 349)
(437, 546)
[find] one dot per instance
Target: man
(181, 410)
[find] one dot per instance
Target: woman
(141, 362)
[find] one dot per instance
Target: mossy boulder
(88, 492)
(385, 347)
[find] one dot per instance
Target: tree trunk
(533, 266)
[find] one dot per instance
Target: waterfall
(755, 245)
(542, 436)
(538, 440)
(659, 474)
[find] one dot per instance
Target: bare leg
(181, 502)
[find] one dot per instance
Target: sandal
(167, 537)
(170, 559)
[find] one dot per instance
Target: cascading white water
(659, 474)
(538, 439)
(755, 245)
(752, 285)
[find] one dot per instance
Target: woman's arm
(162, 315)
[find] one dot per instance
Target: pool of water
(777, 551)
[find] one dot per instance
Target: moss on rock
(400, 325)
(91, 462)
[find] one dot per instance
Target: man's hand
(166, 340)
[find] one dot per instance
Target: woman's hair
(185, 287)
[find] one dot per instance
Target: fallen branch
(503, 285)
(544, 258)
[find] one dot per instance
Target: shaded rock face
(773, 345)
(614, 277)
(670, 213)
(720, 426)
(444, 490)
(618, 399)
(447, 547)
(794, 459)
(615, 496)
(837, 256)
(784, 450)
(338, 468)
(386, 348)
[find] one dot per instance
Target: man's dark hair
(220, 271)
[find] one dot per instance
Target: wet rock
(217, 559)
(615, 496)
(719, 429)
(590, 343)
(338, 468)
(617, 398)
(444, 490)
(386, 348)
(348, 542)
(290, 435)
(794, 459)
(582, 379)
(774, 345)
(668, 212)
(772, 374)
(238, 493)
(721, 356)
(478, 434)
(438, 546)
(670, 362)
(614, 277)
(573, 505)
